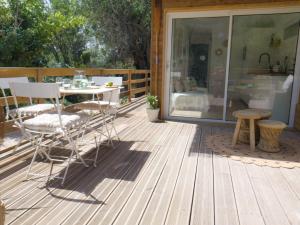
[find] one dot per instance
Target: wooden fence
(134, 81)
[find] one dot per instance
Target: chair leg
(67, 168)
(98, 144)
(113, 125)
(236, 131)
(36, 152)
(50, 172)
(71, 142)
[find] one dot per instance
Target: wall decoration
(219, 52)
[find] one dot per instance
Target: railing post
(129, 85)
(2, 124)
(2, 213)
(40, 76)
(146, 84)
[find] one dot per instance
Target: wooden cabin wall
(159, 10)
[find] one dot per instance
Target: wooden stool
(245, 126)
(270, 131)
(245, 117)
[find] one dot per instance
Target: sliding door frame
(170, 16)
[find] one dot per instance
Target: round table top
(252, 113)
(271, 124)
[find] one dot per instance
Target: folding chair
(107, 108)
(103, 80)
(111, 100)
(50, 125)
(30, 110)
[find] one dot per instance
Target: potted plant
(152, 108)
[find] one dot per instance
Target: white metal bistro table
(94, 90)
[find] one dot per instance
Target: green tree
(22, 38)
(68, 33)
(123, 27)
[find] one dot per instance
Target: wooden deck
(160, 173)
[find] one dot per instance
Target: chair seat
(49, 122)
(32, 110)
(95, 105)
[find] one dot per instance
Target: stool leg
(252, 134)
(236, 131)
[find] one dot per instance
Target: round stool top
(252, 113)
(271, 124)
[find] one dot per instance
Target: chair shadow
(120, 164)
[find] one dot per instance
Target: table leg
(252, 134)
(236, 131)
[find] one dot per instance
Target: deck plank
(83, 212)
(202, 211)
(248, 208)
(141, 192)
(288, 200)
(271, 209)
(181, 203)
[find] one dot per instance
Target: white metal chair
(30, 110)
(49, 124)
(107, 107)
(112, 99)
(103, 80)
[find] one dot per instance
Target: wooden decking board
(247, 206)
(133, 210)
(202, 211)
(292, 177)
(285, 195)
(116, 202)
(162, 173)
(65, 193)
(181, 203)
(224, 196)
(162, 195)
(82, 215)
(271, 209)
(107, 185)
(106, 214)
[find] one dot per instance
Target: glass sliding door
(262, 63)
(198, 67)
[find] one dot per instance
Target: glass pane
(262, 63)
(198, 65)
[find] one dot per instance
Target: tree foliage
(124, 27)
(75, 33)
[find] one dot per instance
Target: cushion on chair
(49, 122)
(32, 110)
(94, 105)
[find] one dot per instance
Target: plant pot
(152, 114)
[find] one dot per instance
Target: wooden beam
(138, 90)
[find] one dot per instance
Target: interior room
(261, 65)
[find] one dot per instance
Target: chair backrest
(103, 80)
(113, 96)
(35, 90)
(4, 84)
